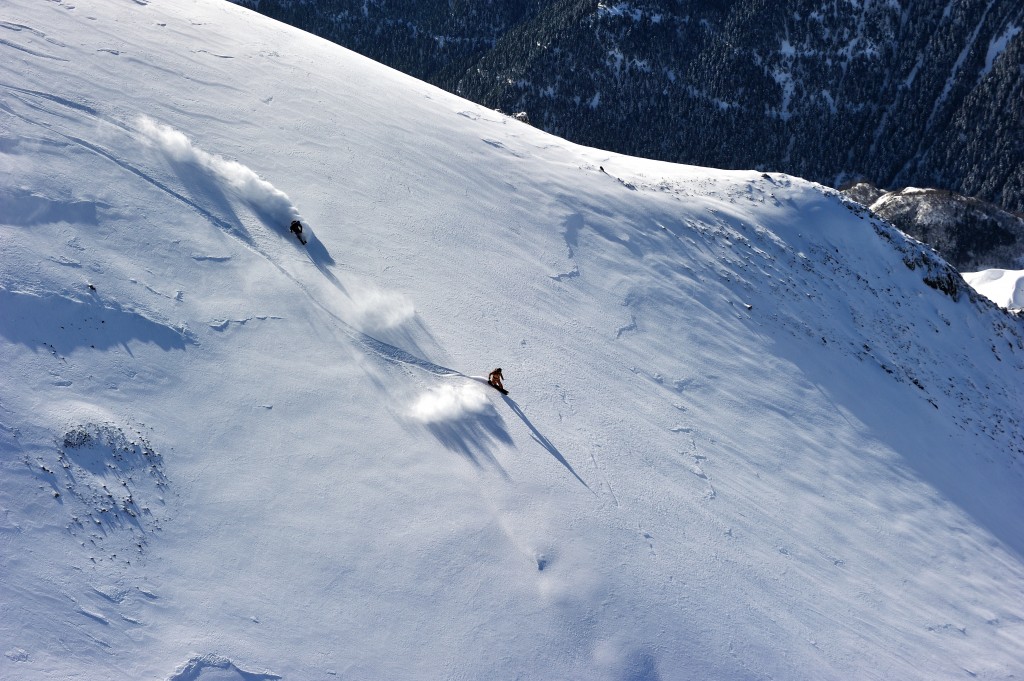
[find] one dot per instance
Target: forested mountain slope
(925, 94)
(968, 233)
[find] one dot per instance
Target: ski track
(89, 146)
(524, 567)
(390, 353)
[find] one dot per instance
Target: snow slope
(1005, 288)
(752, 431)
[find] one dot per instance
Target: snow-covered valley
(752, 431)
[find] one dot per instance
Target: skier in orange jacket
(495, 380)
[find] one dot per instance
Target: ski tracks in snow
(206, 178)
(698, 460)
(217, 175)
(211, 178)
(271, 206)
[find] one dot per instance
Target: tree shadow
(62, 324)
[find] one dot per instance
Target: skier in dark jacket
(296, 229)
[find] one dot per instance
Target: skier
(495, 380)
(296, 229)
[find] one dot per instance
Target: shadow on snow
(474, 438)
(62, 324)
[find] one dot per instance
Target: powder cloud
(232, 175)
(449, 403)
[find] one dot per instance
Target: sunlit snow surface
(752, 432)
(1005, 288)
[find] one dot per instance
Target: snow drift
(1005, 288)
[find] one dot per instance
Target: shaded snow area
(997, 46)
(752, 430)
(1005, 288)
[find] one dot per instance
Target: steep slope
(752, 432)
(898, 93)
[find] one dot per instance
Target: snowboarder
(296, 229)
(494, 379)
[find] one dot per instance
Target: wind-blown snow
(1005, 288)
(752, 430)
(242, 180)
(375, 311)
(449, 403)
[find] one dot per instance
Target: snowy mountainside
(924, 94)
(753, 431)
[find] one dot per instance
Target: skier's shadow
(322, 259)
(541, 440)
(277, 222)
